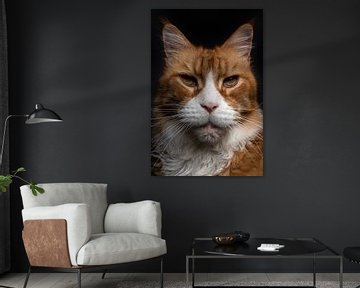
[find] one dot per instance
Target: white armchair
(72, 228)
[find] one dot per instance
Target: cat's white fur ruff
(181, 157)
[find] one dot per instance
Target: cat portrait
(206, 117)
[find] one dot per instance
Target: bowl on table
(231, 238)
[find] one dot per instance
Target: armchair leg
(161, 273)
(27, 277)
(79, 277)
(103, 275)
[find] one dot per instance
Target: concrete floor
(118, 280)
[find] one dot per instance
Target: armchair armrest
(138, 217)
(78, 223)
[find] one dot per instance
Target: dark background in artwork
(90, 61)
(207, 28)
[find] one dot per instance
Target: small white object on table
(270, 247)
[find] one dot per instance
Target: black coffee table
(295, 248)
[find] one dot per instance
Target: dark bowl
(231, 238)
(225, 239)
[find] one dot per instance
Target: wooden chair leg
(27, 277)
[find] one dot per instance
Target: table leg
(187, 272)
(193, 272)
(341, 273)
(314, 271)
(193, 267)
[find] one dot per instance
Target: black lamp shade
(42, 115)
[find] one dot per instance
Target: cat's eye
(231, 81)
(189, 80)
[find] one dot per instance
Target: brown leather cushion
(46, 243)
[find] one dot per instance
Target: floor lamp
(39, 115)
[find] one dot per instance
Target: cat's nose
(209, 107)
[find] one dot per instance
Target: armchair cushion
(138, 217)
(78, 221)
(113, 248)
(92, 194)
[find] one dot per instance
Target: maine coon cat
(206, 117)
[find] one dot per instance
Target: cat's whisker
(171, 126)
(160, 137)
(256, 123)
(159, 120)
(246, 126)
(178, 130)
(245, 117)
(164, 117)
(257, 107)
(164, 110)
(157, 125)
(164, 114)
(169, 106)
(259, 136)
(158, 159)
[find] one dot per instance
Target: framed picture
(207, 103)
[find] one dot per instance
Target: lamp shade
(42, 115)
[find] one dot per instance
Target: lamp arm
(4, 134)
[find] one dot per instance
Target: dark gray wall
(90, 61)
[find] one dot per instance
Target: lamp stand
(4, 135)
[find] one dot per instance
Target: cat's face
(207, 91)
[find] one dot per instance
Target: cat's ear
(241, 40)
(174, 41)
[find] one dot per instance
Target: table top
(292, 247)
